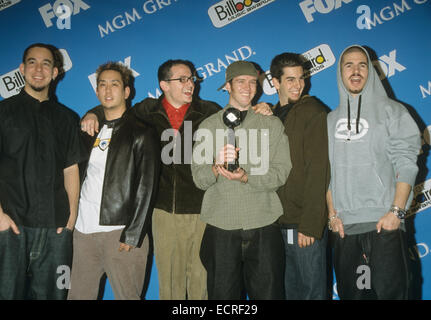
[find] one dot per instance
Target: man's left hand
(60, 230)
(125, 247)
(304, 241)
(235, 175)
(388, 222)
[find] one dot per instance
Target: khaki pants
(97, 253)
(177, 241)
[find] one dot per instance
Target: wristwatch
(398, 212)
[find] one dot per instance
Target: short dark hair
(56, 54)
(125, 72)
(286, 59)
(164, 72)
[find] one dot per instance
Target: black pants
(371, 266)
(238, 261)
(35, 264)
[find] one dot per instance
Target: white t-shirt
(91, 191)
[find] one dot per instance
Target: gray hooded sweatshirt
(380, 151)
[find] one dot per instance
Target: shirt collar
(170, 108)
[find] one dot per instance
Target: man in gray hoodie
(373, 148)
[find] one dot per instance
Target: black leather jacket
(177, 191)
(131, 176)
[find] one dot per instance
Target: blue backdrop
(212, 34)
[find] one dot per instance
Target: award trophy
(232, 119)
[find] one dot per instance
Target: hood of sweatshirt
(372, 88)
(350, 106)
(373, 143)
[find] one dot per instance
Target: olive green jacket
(304, 194)
(264, 154)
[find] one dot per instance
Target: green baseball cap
(239, 68)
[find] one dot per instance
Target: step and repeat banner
(142, 34)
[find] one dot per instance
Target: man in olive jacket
(304, 194)
(242, 247)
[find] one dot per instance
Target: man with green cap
(242, 249)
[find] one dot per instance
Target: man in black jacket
(304, 195)
(119, 178)
(177, 228)
(176, 224)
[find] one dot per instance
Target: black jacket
(131, 176)
(304, 195)
(38, 140)
(177, 192)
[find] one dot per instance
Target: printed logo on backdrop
(217, 65)
(426, 92)
(387, 65)
(228, 11)
(318, 59)
(212, 68)
(62, 10)
(420, 250)
(368, 20)
(421, 198)
(310, 7)
(4, 4)
(127, 62)
(126, 18)
(12, 82)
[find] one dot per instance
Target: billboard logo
(317, 59)
(228, 11)
(421, 198)
(4, 4)
(12, 82)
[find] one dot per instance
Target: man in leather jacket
(119, 178)
(176, 224)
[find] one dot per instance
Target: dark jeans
(306, 269)
(244, 260)
(35, 264)
(371, 266)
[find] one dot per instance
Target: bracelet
(329, 221)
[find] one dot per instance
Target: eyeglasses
(184, 79)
